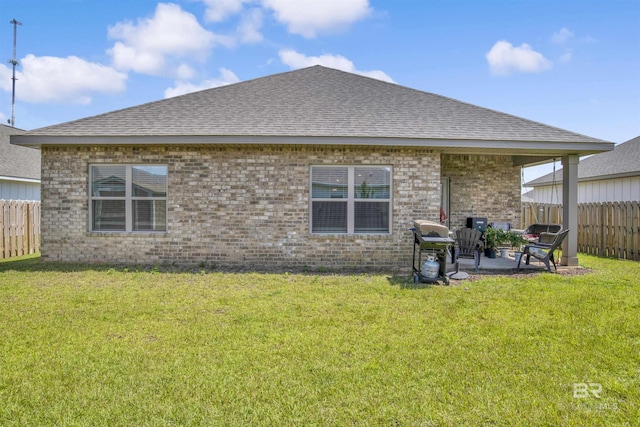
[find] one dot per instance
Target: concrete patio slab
(498, 265)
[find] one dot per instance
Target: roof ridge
(462, 102)
(157, 101)
(315, 101)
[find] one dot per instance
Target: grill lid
(430, 228)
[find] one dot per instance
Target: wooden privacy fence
(19, 228)
(609, 229)
(605, 229)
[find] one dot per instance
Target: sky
(572, 64)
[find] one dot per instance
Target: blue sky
(573, 64)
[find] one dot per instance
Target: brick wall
(482, 186)
(236, 206)
(248, 207)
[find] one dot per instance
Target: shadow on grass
(33, 263)
(406, 282)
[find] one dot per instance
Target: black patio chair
(545, 252)
(533, 231)
(469, 245)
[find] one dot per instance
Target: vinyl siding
(18, 190)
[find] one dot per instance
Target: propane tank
(430, 268)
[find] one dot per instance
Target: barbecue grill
(431, 244)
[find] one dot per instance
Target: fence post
(28, 229)
(632, 231)
(2, 231)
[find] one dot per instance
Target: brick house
(310, 169)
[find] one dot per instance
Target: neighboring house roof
(17, 163)
(527, 197)
(623, 161)
(325, 106)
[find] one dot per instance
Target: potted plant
(516, 240)
(498, 238)
(503, 241)
(510, 239)
(490, 241)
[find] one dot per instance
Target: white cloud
(297, 60)
(219, 10)
(185, 72)
(562, 36)
(226, 77)
(69, 80)
(303, 17)
(504, 58)
(129, 58)
(566, 56)
(249, 28)
(146, 47)
(310, 17)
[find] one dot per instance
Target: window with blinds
(351, 199)
(128, 198)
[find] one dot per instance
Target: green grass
(85, 345)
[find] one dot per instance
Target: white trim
(523, 146)
(351, 199)
(13, 178)
(128, 199)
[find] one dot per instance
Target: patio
(501, 265)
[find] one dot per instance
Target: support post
(570, 209)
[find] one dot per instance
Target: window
(128, 198)
(351, 199)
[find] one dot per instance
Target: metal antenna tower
(14, 61)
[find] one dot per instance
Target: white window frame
(351, 199)
(128, 198)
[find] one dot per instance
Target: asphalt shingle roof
(17, 162)
(314, 101)
(623, 160)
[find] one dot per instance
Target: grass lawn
(86, 346)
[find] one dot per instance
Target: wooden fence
(19, 228)
(604, 229)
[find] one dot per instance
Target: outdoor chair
(468, 245)
(544, 249)
(533, 231)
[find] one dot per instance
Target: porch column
(570, 209)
